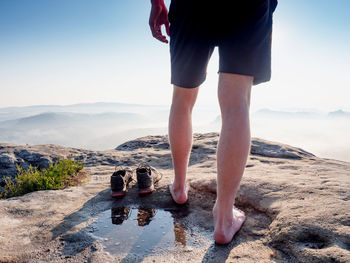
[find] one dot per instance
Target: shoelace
(134, 171)
(127, 169)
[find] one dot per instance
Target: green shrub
(62, 173)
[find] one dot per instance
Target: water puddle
(143, 231)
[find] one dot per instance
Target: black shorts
(241, 29)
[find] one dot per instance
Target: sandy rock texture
(297, 206)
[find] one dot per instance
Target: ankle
(179, 186)
(223, 212)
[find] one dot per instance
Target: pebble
(188, 249)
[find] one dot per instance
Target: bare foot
(224, 230)
(179, 196)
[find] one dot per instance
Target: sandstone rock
(156, 142)
(297, 206)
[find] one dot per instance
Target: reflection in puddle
(145, 230)
(145, 215)
(119, 214)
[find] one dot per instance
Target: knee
(184, 99)
(237, 111)
(234, 94)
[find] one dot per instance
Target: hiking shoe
(120, 179)
(147, 177)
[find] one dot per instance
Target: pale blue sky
(65, 52)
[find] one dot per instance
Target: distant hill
(296, 115)
(287, 114)
(57, 119)
(10, 113)
(67, 128)
(99, 126)
(339, 114)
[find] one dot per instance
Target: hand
(159, 17)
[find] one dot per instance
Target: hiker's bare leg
(232, 152)
(180, 138)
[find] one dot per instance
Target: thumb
(167, 29)
(167, 26)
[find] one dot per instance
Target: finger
(167, 28)
(159, 35)
(162, 38)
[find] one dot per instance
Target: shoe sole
(118, 195)
(145, 191)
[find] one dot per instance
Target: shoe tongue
(120, 172)
(143, 170)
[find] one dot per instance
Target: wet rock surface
(297, 207)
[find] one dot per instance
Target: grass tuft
(62, 173)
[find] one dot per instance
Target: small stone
(188, 249)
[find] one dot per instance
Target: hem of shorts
(185, 86)
(260, 81)
(256, 80)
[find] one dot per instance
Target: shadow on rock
(85, 213)
(76, 242)
(219, 253)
